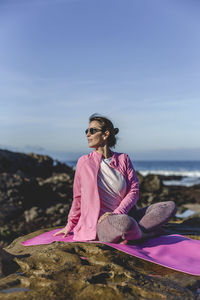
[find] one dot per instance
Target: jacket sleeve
(75, 211)
(132, 194)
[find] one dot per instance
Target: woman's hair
(106, 124)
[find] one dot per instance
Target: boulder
(151, 183)
(29, 185)
(88, 271)
(30, 164)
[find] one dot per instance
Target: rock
(7, 264)
(31, 164)
(58, 183)
(32, 213)
(18, 194)
(184, 195)
(1, 271)
(170, 177)
(151, 183)
(88, 271)
(29, 185)
(57, 209)
(152, 190)
(10, 197)
(140, 178)
(192, 221)
(62, 168)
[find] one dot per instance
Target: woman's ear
(106, 134)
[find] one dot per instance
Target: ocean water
(189, 170)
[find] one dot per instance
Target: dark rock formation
(30, 164)
(151, 184)
(88, 271)
(31, 188)
(153, 190)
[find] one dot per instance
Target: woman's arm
(132, 195)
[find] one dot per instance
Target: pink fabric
(84, 213)
(114, 227)
(172, 251)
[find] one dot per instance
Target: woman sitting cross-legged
(105, 189)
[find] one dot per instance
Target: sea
(188, 170)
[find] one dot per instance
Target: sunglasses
(92, 130)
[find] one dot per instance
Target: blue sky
(135, 61)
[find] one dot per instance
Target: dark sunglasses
(92, 130)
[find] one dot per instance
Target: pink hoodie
(84, 212)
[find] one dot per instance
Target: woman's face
(97, 139)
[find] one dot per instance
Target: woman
(105, 189)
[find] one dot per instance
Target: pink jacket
(84, 212)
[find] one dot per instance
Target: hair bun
(116, 130)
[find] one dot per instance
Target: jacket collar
(99, 156)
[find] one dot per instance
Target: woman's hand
(104, 216)
(63, 230)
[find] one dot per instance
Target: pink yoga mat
(172, 251)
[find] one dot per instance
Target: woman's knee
(158, 214)
(169, 207)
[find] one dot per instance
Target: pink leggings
(154, 216)
(147, 219)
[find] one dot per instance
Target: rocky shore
(36, 195)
